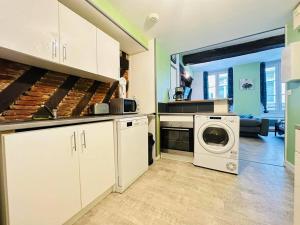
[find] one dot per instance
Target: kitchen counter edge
(199, 113)
(36, 124)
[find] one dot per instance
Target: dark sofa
(252, 127)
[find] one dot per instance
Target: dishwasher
(131, 150)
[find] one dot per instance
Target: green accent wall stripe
(162, 72)
(112, 12)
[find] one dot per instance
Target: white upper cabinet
(108, 55)
(30, 27)
(78, 47)
(290, 66)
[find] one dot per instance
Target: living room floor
(266, 150)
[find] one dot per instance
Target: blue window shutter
(263, 86)
(205, 85)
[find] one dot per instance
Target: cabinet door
(108, 56)
(30, 27)
(42, 172)
(97, 169)
(142, 71)
(297, 205)
(77, 41)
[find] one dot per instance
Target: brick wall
(25, 105)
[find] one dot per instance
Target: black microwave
(122, 106)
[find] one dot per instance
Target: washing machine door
(216, 137)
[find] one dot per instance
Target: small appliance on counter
(178, 96)
(123, 106)
(99, 109)
(182, 93)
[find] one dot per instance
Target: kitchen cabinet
(77, 41)
(142, 79)
(290, 68)
(97, 168)
(49, 175)
(297, 179)
(296, 18)
(30, 27)
(108, 56)
(42, 178)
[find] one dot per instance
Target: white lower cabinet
(97, 167)
(49, 175)
(297, 180)
(42, 178)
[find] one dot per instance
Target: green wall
(293, 105)
(162, 72)
(291, 35)
(117, 17)
(247, 102)
(162, 82)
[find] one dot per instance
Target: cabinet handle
(84, 140)
(64, 52)
(53, 49)
(74, 147)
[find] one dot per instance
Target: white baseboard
(289, 166)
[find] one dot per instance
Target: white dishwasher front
(132, 150)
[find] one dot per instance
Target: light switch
(289, 92)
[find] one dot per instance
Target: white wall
(197, 85)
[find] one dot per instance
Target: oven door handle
(181, 129)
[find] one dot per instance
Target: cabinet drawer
(177, 118)
(297, 170)
(297, 205)
(297, 140)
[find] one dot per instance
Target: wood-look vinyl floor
(178, 193)
(268, 150)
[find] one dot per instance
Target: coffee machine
(179, 94)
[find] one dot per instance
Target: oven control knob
(231, 166)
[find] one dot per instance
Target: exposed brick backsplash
(30, 102)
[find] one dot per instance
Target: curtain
(263, 87)
(205, 85)
(230, 86)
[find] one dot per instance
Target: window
(275, 89)
(217, 84)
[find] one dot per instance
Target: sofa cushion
(250, 122)
(253, 129)
(246, 116)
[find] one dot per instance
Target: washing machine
(216, 142)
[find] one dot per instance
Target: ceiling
(190, 24)
(264, 56)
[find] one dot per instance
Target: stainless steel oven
(177, 136)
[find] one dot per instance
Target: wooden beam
(86, 98)
(13, 91)
(58, 95)
(234, 50)
(110, 92)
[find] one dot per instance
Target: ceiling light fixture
(153, 18)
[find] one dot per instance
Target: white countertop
(32, 124)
